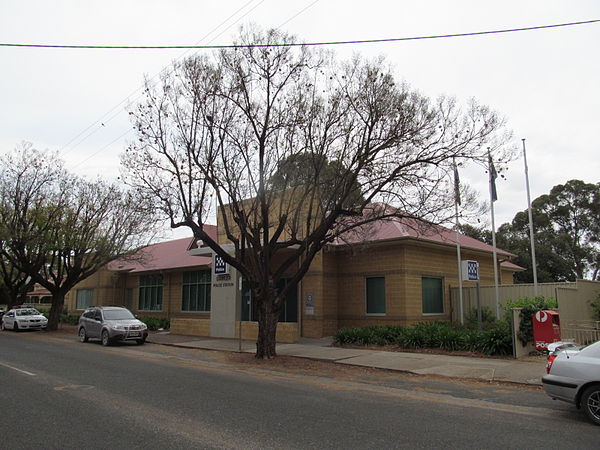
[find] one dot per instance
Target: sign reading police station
(470, 270)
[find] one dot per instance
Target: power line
(295, 44)
(103, 120)
(206, 36)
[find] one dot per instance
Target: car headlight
(118, 327)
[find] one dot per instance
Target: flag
(456, 185)
(493, 176)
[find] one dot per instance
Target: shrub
(70, 319)
(488, 319)
(155, 323)
(595, 304)
(495, 340)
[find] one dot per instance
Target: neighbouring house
(38, 295)
(392, 273)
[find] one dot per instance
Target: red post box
(546, 329)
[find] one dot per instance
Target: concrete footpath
(488, 369)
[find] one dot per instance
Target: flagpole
(456, 203)
(493, 198)
(531, 235)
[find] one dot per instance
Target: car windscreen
(27, 312)
(117, 314)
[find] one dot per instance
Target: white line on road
(18, 370)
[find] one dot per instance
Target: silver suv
(111, 324)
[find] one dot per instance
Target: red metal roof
(511, 266)
(164, 255)
(411, 228)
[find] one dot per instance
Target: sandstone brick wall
(191, 327)
(287, 332)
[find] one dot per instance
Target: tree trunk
(267, 332)
(58, 301)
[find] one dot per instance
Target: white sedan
(574, 376)
(23, 319)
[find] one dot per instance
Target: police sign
(470, 270)
(220, 266)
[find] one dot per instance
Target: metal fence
(581, 331)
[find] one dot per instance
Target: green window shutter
(432, 295)
(375, 295)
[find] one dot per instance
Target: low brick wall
(191, 327)
(287, 332)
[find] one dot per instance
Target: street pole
(531, 235)
(479, 321)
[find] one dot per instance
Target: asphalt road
(56, 393)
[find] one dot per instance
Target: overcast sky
(545, 83)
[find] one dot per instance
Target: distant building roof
(394, 228)
(511, 266)
(39, 290)
(164, 255)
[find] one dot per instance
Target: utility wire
(137, 90)
(117, 111)
(297, 44)
(102, 121)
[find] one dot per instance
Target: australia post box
(546, 329)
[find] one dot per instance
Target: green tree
(315, 170)
(481, 234)
(223, 128)
(566, 223)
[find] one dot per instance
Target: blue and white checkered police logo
(470, 270)
(473, 270)
(220, 265)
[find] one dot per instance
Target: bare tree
(220, 129)
(60, 229)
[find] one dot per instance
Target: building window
(433, 295)
(375, 295)
(151, 292)
(85, 298)
(196, 291)
(289, 309)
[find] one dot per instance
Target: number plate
(134, 333)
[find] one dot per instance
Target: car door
(9, 320)
(95, 324)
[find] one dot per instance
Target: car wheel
(140, 341)
(590, 402)
(105, 339)
(83, 335)
(2, 326)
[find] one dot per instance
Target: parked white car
(23, 319)
(573, 375)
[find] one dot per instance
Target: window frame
(91, 299)
(202, 281)
(441, 279)
(367, 296)
(153, 288)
